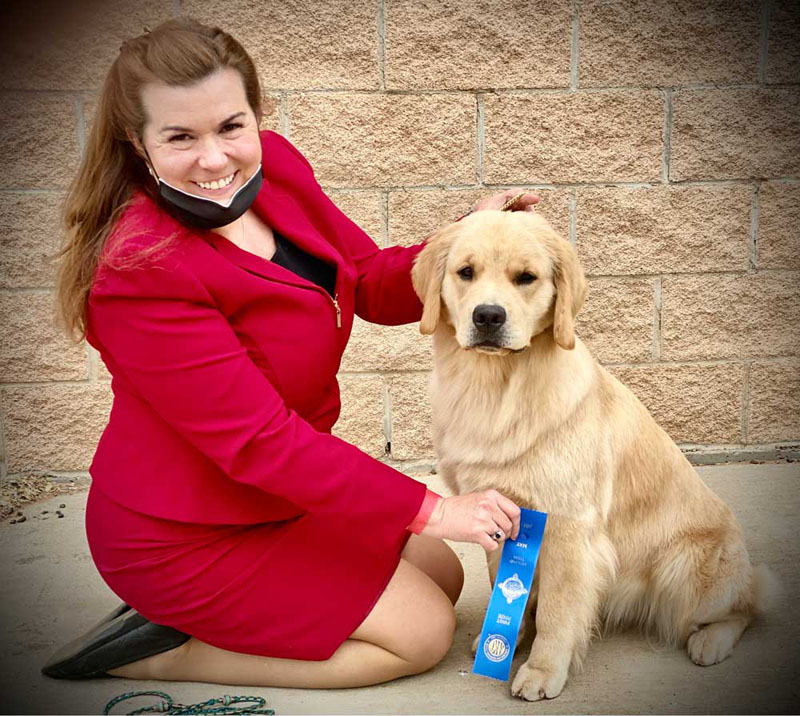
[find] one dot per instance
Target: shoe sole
(124, 636)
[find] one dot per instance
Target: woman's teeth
(217, 183)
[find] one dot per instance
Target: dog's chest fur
(495, 426)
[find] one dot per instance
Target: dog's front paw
(534, 684)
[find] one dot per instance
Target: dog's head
(500, 279)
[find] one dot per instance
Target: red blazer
(224, 365)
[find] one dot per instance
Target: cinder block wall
(663, 137)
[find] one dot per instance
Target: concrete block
(651, 230)
(381, 348)
(271, 111)
(657, 43)
(452, 45)
(361, 420)
(415, 215)
(411, 417)
(100, 372)
(735, 133)
(774, 401)
(577, 137)
(616, 322)
(723, 316)
(693, 403)
(30, 235)
(53, 427)
(381, 140)
(302, 44)
(779, 226)
(38, 141)
(70, 45)
(33, 348)
(365, 208)
(783, 50)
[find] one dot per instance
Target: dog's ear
(571, 288)
(428, 274)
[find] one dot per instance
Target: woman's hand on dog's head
(526, 202)
(475, 517)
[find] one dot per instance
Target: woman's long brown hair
(177, 52)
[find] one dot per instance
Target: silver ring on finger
(497, 536)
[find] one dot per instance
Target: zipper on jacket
(338, 310)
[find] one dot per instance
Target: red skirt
(294, 590)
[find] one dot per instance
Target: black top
(303, 264)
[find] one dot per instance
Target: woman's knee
(427, 651)
(413, 619)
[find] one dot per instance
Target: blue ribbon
(507, 605)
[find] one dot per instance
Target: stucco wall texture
(662, 135)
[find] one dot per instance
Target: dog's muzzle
(488, 319)
(488, 332)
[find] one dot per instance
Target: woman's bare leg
(434, 557)
(409, 630)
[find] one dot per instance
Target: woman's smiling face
(203, 138)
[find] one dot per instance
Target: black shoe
(124, 636)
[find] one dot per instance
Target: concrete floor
(50, 593)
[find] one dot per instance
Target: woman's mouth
(218, 186)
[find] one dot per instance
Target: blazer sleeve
(172, 346)
(384, 293)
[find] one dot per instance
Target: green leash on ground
(168, 706)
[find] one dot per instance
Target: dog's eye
(466, 273)
(525, 278)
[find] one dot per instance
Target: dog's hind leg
(714, 642)
(721, 616)
(708, 592)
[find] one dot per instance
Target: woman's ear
(139, 149)
(571, 287)
(427, 276)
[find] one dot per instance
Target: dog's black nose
(487, 318)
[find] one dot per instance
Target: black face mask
(207, 213)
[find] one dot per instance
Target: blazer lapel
(283, 214)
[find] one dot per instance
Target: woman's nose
(212, 155)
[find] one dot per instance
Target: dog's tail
(765, 588)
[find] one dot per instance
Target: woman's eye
(233, 125)
(525, 278)
(465, 273)
(179, 138)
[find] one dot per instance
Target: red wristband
(425, 511)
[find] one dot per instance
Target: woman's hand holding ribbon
(486, 518)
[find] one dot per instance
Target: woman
(219, 283)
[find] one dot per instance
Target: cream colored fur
(633, 534)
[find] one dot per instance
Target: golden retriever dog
(633, 534)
